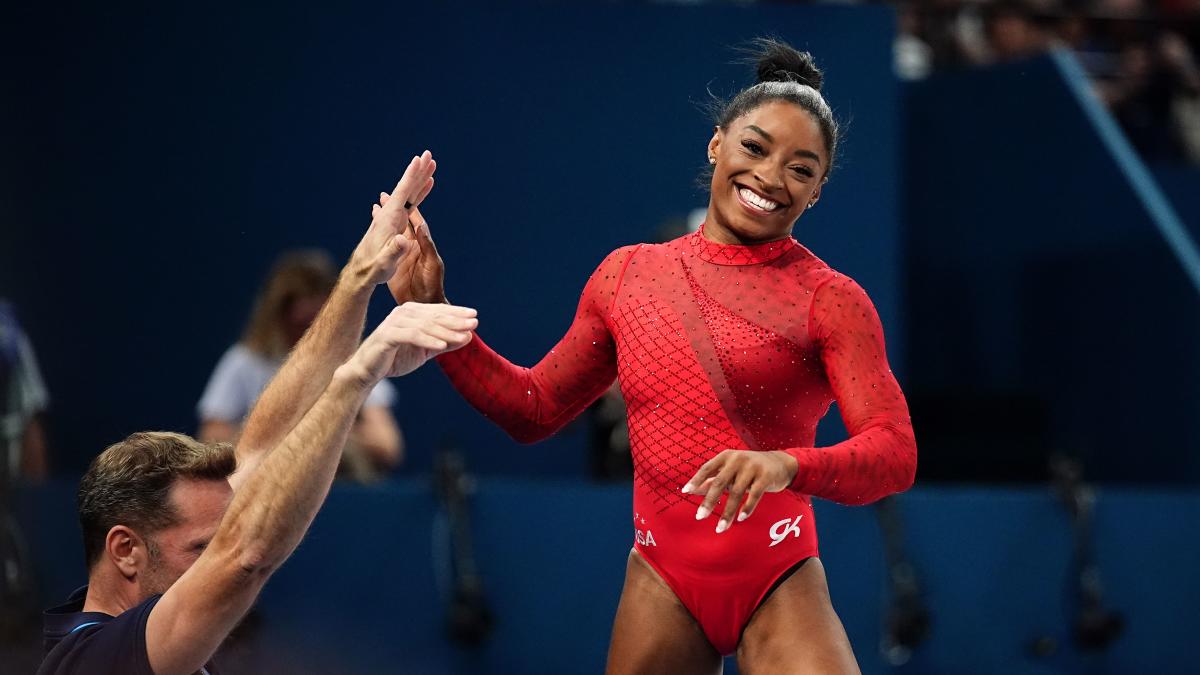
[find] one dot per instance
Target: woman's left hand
(745, 475)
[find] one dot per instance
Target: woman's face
(770, 165)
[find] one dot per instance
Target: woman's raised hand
(420, 276)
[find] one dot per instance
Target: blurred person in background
(180, 536)
(913, 58)
(23, 399)
(1154, 95)
(1139, 55)
(1014, 31)
(729, 344)
(297, 286)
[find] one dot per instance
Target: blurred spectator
(1153, 96)
(1139, 54)
(22, 455)
(913, 58)
(1013, 31)
(294, 292)
(23, 399)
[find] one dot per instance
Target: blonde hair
(295, 275)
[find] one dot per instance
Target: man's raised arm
(335, 333)
(275, 505)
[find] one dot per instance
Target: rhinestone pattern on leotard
(700, 375)
(735, 338)
(675, 422)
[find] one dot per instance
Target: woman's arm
(880, 456)
(533, 403)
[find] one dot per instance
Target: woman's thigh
(653, 632)
(795, 630)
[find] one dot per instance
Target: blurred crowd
(1140, 55)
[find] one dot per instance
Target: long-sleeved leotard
(717, 347)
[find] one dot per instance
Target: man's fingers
(461, 338)
(415, 179)
(411, 183)
(431, 337)
(438, 317)
(447, 335)
(404, 186)
(426, 341)
(470, 336)
(409, 335)
(425, 190)
(435, 309)
(756, 493)
(457, 323)
(414, 185)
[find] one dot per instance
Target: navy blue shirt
(93, 643)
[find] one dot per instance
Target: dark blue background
(1048, 313)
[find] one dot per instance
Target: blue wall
(366, 591)
(1181, 183)
(162, 157)
(1047, 311)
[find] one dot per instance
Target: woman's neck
(713, 230)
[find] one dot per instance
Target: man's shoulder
(91, 642)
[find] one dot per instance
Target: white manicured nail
(722, 526)
(687, 489)
(742, 516)
(702, 512)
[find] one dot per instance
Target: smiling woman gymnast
(730, 345)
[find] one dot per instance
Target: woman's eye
(803, 171)
(753, 147)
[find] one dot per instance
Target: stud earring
(712, 160)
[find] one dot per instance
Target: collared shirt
(78, 642)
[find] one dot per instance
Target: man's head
(148, 507)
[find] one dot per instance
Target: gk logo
(781, 530)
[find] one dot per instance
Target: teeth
(760, 202)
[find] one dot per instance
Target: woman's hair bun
(777, 61)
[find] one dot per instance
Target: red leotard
(717, 347)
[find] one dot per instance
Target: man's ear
(127, 550)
